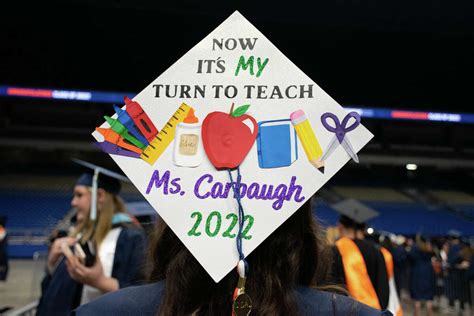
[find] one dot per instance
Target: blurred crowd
(432, 273)
(438, 271)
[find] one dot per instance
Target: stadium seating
(406, 218)
(33, 213)
(31, 217)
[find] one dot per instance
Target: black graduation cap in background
(99, 177)
(354, 213)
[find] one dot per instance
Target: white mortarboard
(187, 186)
(99, 177)
(355, 210)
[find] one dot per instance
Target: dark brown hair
(296, 254)
(423, 244)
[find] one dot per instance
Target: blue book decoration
(276, 144)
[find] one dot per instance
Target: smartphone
(80, 254)
(66, 250)
(89, 249)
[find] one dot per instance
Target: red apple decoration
(228, 137)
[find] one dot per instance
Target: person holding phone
(104, 251)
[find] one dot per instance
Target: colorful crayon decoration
(127, 121)
(116, 150)
(161, 141)
(141, 119)
(120, 139)
(112, 137)
(308, 139)
(122, 131)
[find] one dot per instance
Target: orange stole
(388, 261)
(393, 300)
(357, 278)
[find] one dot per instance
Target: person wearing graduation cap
(104, 252)
(289, 277)
(358, 263)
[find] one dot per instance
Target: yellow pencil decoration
(166, 135)
(308, 139)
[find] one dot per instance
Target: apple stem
(231, 108)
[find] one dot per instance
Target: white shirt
(106, 255)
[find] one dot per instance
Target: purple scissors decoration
(340, 129)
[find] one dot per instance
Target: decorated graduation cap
(354, 214)
(238, 139)
(99, 178)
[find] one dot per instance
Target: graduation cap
(218, 226)
(99, 177)
(354, 214)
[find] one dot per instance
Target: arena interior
(406, 67)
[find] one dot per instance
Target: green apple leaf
(240, 110)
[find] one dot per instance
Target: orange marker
(114, 138)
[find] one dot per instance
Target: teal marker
(120, 129)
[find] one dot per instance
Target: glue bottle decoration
(188, 150)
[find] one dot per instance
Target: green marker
(120, 129)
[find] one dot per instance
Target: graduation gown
(145, 301)
(4, 258)
(375, 265)
(60, 294)
(422, 276)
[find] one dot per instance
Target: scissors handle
(324, 119)
(346, 119)
(340, 129)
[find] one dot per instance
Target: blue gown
(145, 301)
(422, 277)
(61, 294)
